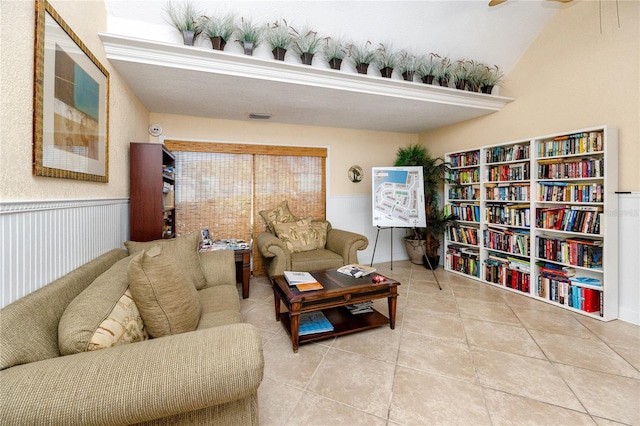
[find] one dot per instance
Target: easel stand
(425, 257)
(376, 244)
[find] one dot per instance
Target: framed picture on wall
(71, 103)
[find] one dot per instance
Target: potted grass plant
(426, 241)
(386, 58)
(249, 35)
(427, 67)
(278, 36)
(443, 72)
(407, 64)
(460, 72)
(335, 49)
(491, 77)
(306, 44)
(361, 55)
(218, 29)
(187, 19)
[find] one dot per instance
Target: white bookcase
(547, 223)
(462, 244)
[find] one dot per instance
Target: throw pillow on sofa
(183, 249)
(168, 303)
(279, 214)
(296, 235)
(103, 315)
(319, 229)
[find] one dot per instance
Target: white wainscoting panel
(43, 240)
(629, 258)
(353, 213)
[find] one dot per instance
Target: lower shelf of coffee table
(343, 323)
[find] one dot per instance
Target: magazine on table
(296, 278)
(355, 270)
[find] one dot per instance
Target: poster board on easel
(398, 197)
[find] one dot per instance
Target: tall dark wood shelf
(152, 208)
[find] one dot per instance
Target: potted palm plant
(219, 30)
(249, 35)
(361, 55)
(186, 17)
(279, 39)
(426, 241)
(386, 59)
(334, 51)
(305, 43)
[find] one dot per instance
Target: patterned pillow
(319, 230)
(279, 214)
(183, 249)
(123, 325)
(168, 303)
(296, 235)
(97, 309)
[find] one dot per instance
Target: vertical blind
(223, 187)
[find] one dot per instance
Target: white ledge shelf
(195, 81)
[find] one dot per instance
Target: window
(223, 187)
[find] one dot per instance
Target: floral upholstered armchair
(292, 244)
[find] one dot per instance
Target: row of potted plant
(307, 43)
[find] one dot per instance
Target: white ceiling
(457, 29)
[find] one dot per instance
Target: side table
(243, 264)
(243, 269)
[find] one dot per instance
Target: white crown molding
(135, 50)
(197, 81)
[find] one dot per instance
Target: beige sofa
(207, 376)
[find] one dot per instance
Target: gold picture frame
(71, 103)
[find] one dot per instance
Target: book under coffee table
(338, 291)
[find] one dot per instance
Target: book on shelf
(296, 278)
(309, 286)
(314, 322)
(355, 270)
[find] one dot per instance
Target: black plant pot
(335, 63)
(408, 75)
(428, 79)
(432, 263)
(189, 37)
(386, 72)
(248, 47)
(278, 53)
(306, 58)
(217, 43)
(362, 68)
(486, 89)
(461, 84)
(444, 82)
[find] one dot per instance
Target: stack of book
(314, 322)
(304, 281)
(360, 308)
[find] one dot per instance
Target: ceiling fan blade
(496, 2)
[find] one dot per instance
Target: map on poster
(398, 197)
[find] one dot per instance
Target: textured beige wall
(571, 77)
(128, 118)
(346, 146)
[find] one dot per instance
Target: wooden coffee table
(339, 290)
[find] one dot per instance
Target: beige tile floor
(471, 354)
